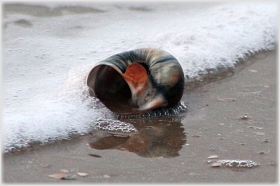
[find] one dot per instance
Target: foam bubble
(238, 163)
(115, 126)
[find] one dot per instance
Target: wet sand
(234, 118)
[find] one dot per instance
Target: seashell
(213, 157)
(137, 81)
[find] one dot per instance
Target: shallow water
(155, 137)
(49, 49)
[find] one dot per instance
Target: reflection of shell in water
(157, 138)
(121, 91)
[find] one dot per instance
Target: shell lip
(158, 101)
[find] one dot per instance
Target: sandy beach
(233, 118)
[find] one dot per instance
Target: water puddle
(151, 137)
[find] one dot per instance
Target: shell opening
(110, 88)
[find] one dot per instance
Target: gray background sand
(212, 126)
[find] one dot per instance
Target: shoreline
(213, 125)
(221, 73)
(190, 85)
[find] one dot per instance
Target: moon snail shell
(137, 81)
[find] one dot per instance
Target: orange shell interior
(136, 74)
